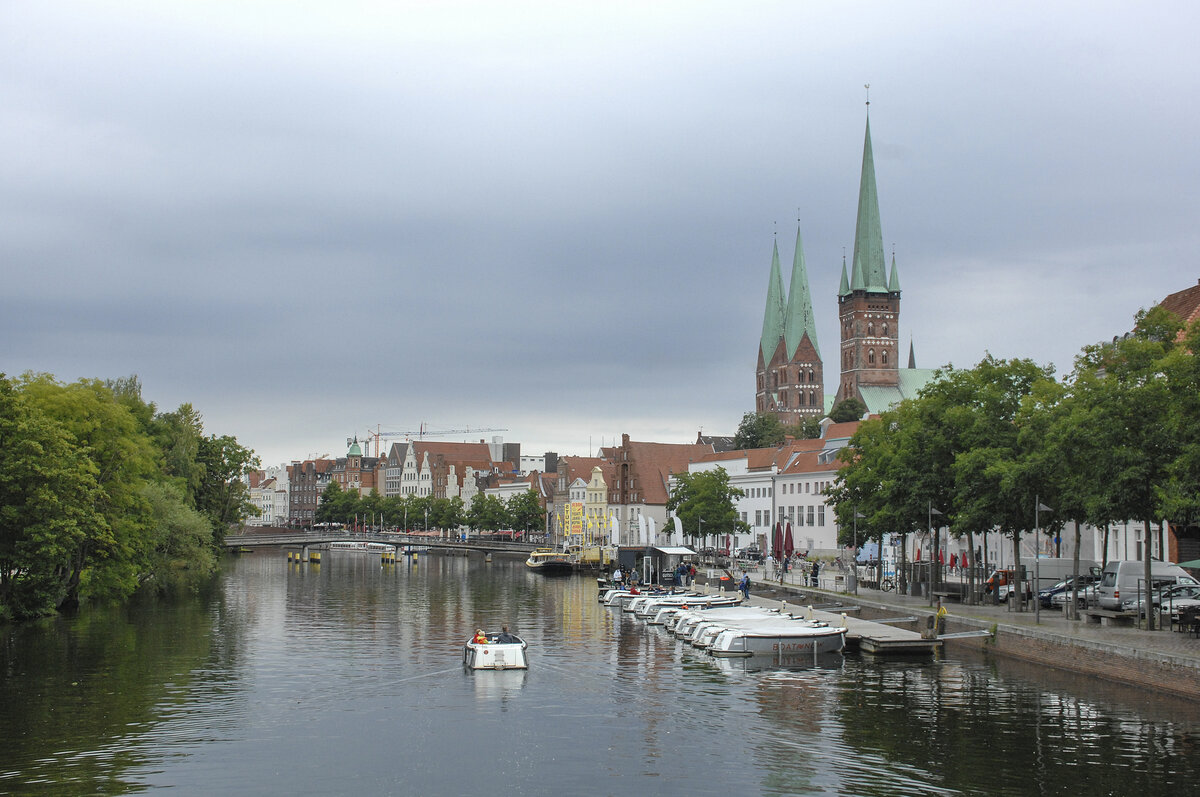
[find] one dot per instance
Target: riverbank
(1161, 661)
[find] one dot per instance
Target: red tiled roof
(837, 430)
(1185, 304)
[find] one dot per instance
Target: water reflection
(348, 677)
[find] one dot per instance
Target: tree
(526, 512)
(706, 496)
(759, 430)
(847, 410)
(111, 557)
(48, 508)
(222, 494)
(447, 513)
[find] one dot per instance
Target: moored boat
(786, 639)
(495, 655)
(550, 561)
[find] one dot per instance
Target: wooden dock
(868, 636)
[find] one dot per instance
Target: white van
(1122, 581)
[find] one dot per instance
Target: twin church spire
(788, 317)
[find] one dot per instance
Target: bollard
(314, 557)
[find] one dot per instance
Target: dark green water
(346, 679)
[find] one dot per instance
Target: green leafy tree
(182, 556)
(759, 430)
(526, 513)
(447, 513)
(49, 512)
(847, 410)
(223, 495)
(706, 496)
(108, 563)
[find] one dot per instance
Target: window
(885, 329)
(870, 356)
(821, 515)
(810, 517)
(871, 329)
(883, 356)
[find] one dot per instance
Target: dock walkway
(1162, 660)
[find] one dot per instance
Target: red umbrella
(778, 541)
(941, 558)
(918, 554)
(953, 560)
(964, 559)
(788, 546)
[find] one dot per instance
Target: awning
(678, 551)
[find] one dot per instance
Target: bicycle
(887, 584)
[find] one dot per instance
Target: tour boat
(551, 561)
(494, 655)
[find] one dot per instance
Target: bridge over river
(313, 539)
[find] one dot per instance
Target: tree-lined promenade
(102, 495)
(1005, 446)
(522, 513)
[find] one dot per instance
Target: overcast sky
(308, 219)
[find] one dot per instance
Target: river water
(346, 678)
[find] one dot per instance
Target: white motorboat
(792, 640)
(650, 607)
(495, 655)
(687, 623)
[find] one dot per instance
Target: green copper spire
(845, 289)
(799, 320)
(869, 269)
(773, 316)
(894, 280)
(355, 450)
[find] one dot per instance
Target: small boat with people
(495, 651)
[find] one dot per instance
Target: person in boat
(480, 638)
(505, 638)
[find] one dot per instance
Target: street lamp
(1038, 507)
(700, 530)
(854, 558)
(933, 560)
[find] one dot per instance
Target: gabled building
(639, 482)
(790, 377)
(306, 481)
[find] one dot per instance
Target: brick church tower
(869, 302)
(790, 381)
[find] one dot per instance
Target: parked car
(1087, 597)
(1046, 596)
(1173, 597)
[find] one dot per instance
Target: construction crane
(420, 434)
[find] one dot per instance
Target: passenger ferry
(551, 561)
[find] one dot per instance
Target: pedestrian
(744, 586)
(816, 569)
(618, 576)
(691, 574)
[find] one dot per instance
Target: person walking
(744, 586)
(816, 570)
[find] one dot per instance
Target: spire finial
(867, 86)
(775, 231)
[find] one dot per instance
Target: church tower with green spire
(869, 302)
(790, 380)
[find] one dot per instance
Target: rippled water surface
(346, 679)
